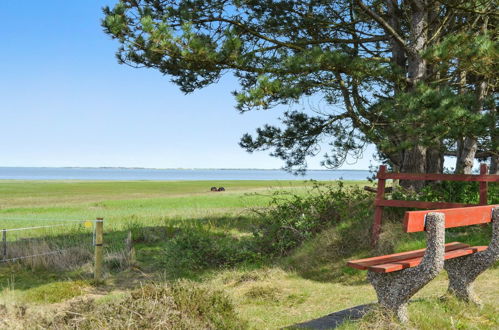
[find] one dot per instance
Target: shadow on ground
(336, 319)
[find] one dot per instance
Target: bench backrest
(483, 178)
(380, 202)
(414, 221)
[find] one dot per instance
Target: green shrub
(198, 248)
(450, 191)
(289, 222)
(284, 225)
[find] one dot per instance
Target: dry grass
(47, 255)
(183, 305)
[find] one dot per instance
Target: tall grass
(43, 246)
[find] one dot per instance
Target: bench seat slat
(364, 264)
(408, 263)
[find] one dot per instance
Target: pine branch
(386, 26)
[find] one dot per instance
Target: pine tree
(415, 77)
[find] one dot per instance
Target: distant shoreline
(127, 174)
(175, 169)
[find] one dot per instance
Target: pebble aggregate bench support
(397, 277)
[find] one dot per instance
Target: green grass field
(307, 284)
(146, 201)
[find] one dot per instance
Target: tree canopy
(415, 77)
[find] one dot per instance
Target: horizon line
(180, 168)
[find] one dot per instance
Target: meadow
(183, 232)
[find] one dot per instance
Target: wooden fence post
(130, 252)
(378, 212)
(483, 185)
(99, 240)
(4, 243)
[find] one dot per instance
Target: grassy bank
(182, 231)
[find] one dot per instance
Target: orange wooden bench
(380, 202)
(399, 261)
(397, 277)
(414, 221)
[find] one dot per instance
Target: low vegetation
(291, 220)
(182, 305)
(245, 258)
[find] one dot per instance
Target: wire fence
(45, 243)
(64, 245)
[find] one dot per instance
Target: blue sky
(65, 101)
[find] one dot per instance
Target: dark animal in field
(221, 189)
(214, 189)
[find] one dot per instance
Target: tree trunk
(466, 156)
(398, 58)
(416, 64)
(494, 141)
(398, 52)
(494, 165)
(435, 159)
(414, 160)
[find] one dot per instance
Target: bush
(198, 248)
(459, 192)
(286, 224)
(451, 191)
(183, 305)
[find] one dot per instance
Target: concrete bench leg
(464, 270)
(395, 289)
